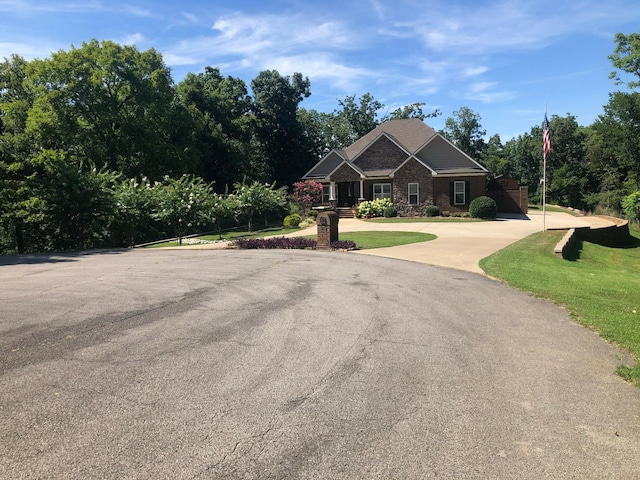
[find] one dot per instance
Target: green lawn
(366, 240)
(423, 220)
(552, 208)
(600, 288)
(363, 240)
(232, 235)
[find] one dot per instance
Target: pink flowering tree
(306, 194)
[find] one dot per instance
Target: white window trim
(417, 194)
(382, 193)
(456, 193)
(326, 193)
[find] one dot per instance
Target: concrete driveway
(461, 245)
(211, 364)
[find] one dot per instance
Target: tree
(465, 132)
(182, 203)
(359, 117)
(222, 208)
(133, 207)
(413, 110)
(258, 199)
(107, 103)
(631, 206)
(75, 201)
(626, 58)
(493, 157)
(568, 171)
(524, 160)
(278, 130)
(16, 150)
(220, 125)
(614, 146)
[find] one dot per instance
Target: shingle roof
(411, 134)
(414, 137)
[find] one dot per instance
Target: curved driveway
(198, 364)
(461, 245)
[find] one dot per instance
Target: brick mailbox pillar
(327, 229)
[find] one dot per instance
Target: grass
(367, 240)
(423, 220)
(364, 240)
(232, 235)
(552, 208)
(599, 287)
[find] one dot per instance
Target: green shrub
(307, 222)
(432, 211)
(292, 221)
(483, 207)
(312, 213)
(389, 212)
(374, 208)
(445, 213)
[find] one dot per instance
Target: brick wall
(442, 192)
(345, 174)
(412, 172)
(383, 154)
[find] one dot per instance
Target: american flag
(546, 137)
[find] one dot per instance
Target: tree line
(80, 129)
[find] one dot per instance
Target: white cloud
(28, 51)
(134, 39)
(486, 92)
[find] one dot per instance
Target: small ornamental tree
(258, 199)
(222, 208)
(306, 194)
(133, 207)
(631, 206)
(183, 203)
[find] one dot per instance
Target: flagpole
(544, 181)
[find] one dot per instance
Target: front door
(346, 194)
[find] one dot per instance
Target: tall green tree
(570, 177)
(220, 120)
(279, 133)
(107, 103)
(493, 157)
(464, 130)
(16, 150)
(626, 58)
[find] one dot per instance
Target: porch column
(332, 191)
(361, 199)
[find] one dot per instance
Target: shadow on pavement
(60, 257)
(512, 216)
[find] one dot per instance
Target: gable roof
(444, 157)
(327, 165)
(414, 139)
(410, 134)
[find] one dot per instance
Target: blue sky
(504, 59)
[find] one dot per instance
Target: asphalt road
(289, 364)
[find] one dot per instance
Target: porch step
(344, 212)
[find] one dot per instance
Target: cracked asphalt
(199, 364)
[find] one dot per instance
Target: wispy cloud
(487, 92)
(133, 39)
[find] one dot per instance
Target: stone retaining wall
(614, 235)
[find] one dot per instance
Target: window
(326, 193)
(459, 193)
(381, 190)
(413, 194)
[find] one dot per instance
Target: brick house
(406, 161)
